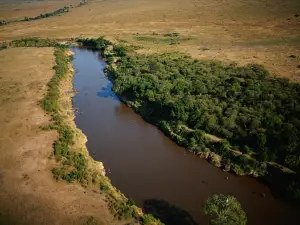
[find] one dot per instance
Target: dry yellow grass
(28, 192)
(265, 32)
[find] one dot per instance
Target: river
(149, 168)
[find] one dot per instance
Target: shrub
(175, 34)
(104, 188)
(148, 219)
(130, 202)
(3, 22)
(110, 60)
(214, 159)
(97, 44)
(225, 210)
(3, 46)
(237, 170)
(122, 210)
(35, 42)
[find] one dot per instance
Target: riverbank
(72, 161)
(77, 164)
(88, 172)
(161, 177)
(141, 88)
(28, 192)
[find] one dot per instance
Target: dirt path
(28, 192)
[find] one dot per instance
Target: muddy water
(149, 168)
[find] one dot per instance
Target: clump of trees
(237, 117)
(3, 22)
(77, 161)
(225, 210)
(239, 112)
(243, 106)
(96, 44)
(3, 45)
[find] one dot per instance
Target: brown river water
(161, 177)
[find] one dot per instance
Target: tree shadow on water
(168, 214)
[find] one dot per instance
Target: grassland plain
(264, 32)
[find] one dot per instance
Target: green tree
(225, 210)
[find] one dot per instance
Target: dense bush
(240, 113)
(76, 161)
(242, 105)
(3, 46)
(46, 15)
(225, 210)
(96, 44)
(150, 220)
(3, 22)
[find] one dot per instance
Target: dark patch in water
(106, 92)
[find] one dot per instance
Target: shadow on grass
(168, 214)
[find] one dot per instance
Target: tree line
(240, 113)
(238, 117)
(45, 15)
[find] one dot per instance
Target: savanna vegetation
(42, 16)
(238, 117)
(168, 38)
(45, 15)
(77, 166)
(225, 210)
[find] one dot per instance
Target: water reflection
(106, 92)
